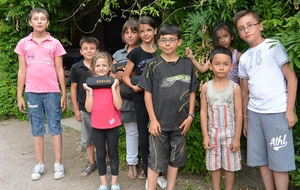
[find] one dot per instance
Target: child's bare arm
(201, 68)
(116, 94)
(74, 101)
(21, 82)
(245, 100)
(291, 93)
(154, 126)
(186, 124)
(203, 118)
(89, 98)
(58, 61)
(238, 119)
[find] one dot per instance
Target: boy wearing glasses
(170, 83)
(269, 90)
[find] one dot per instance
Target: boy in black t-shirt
(170, 83)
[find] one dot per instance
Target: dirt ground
(17, 159)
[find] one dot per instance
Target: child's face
(102, 67)
(131, 37)
(224, 38)
(249, 30)
(88, 50)
(146, 33)
(39, 22)
(221, 65)
(169, 43)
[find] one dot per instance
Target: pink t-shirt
(104, 114)
(41, 76)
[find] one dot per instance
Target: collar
(48, 36)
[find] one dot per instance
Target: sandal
(103, 187)
(88, 169)
(115, 187)
(132, 172)
(142, 175)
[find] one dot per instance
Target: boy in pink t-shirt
(40, 65)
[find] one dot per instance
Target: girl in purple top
(222, 36)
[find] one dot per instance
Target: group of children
(154, 96)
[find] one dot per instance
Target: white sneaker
(38, 172)
(162, 182)
(146, 185)
(59, 171)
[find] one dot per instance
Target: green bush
(195, 18)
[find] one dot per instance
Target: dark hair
(220, 50)
(216, 28)
(243, 13)
(147, 20)
(89, 40)
(38, 10)
(97, 56)
(169, 29)
(132, 23)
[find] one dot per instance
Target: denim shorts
(39, 104)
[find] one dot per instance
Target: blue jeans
(39, 104)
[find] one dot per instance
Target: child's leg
(229, 179)
(152, 179)
(142, 123)
(39, 148)
(99, 141)
(112, 143)
(216, 179)
(281, 180)
(132, 138)
(57, 145)
(86, 136)
(267, 177)
(90, 153)
(103, 180)
(171, 177)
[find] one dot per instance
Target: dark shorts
(169, 148)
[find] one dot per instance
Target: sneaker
(146, 185)
(38, 172)
(59, 171)
(162, 182)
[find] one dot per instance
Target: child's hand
(154, 128)
(119, 75)
(115, 84)
(186, 124)
(136, 88)
(189, 53)
(206, 143)
(87, 88)
(21, 105)
(290, 116)
(235, 145)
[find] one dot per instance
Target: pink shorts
(221, 155)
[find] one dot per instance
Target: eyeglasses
(171, 40)
(249, 27)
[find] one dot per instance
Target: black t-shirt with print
(170, 84)
(139, 58)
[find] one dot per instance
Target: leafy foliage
(281, 20)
